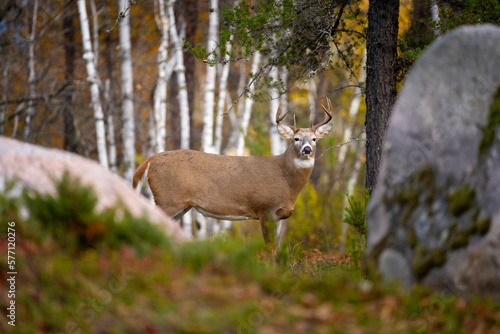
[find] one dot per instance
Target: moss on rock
(489, 131)
(425, 259)
(461, 199)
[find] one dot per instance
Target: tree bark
(207, 142)
(128, 129)
(181, 77)
(30, 111)
(70, 140)
(88, 56)
(381, 45)
(110, 106)
(247, 111)
(191, 21)
(160, 94)
(111, 127)
(278, 145)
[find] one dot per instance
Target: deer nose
(307, 150)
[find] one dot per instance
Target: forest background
(119, 81)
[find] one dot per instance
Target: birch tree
(435, 16)
(181, 76)
(221, 101)
(30, 111)
(128, 130)
(247, 111)
(160, 94)
(88, 56)
(208, 112)
(353, 111)
(111, 127)
(278, 144)
(354, 172)
(183, 95)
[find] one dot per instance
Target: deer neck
(300, 169)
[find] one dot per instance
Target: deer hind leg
(179, 214)
(174, 210)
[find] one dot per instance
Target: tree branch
(44, 98)
(339, 145)
(350, 30)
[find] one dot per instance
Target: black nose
(307, 150)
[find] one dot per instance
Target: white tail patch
(141, 182)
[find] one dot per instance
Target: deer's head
(303, 140)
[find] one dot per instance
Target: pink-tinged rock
(35, 167)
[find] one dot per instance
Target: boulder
(35, 167)
(434, 217)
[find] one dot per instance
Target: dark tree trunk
(381, 45)
(173, 116)
(70, 140)
(191, 19)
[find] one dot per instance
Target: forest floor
(81, 272)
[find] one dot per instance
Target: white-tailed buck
(236, 188)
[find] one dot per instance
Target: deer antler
(279, 118)
(328, 116)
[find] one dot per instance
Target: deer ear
(323, 130)
(285, 131)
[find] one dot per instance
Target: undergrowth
(81, 271)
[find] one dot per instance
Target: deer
(233, 188)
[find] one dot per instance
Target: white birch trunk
(187, 219)
(247, 111)
(160, 96)
(435, 15)
(128, 130)
(207, 138)
(350, 191)
(237, 119)
(88, 56)
(221, 103)
(284, 79)
(95, 31)
(312, 96)
(278, 144)
(181, 77)
(353, 110)
(111, 127)
(207, 142)
(16, 119)
(30, 111)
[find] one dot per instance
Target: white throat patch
(304, 163)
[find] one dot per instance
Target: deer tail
(140, 173)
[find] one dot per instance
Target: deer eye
(314, 139)
(296, 139)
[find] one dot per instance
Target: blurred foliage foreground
(84, 272)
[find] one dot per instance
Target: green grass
(86, 272)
